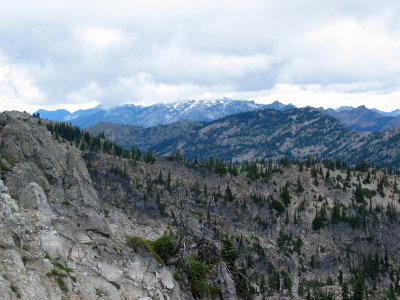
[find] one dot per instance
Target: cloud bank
(78, 54)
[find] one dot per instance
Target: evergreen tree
(359, 193)
(328, 174)
(149, 158)
(358, 289)
(285, 194)
(345, 291)
(229, 253)
(228, 194)
(335, 213)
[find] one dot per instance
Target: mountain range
(160, 113)
(262, 134)
(360, 118)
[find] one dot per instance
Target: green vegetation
(62, 284)
(96, 143)
(197, 272)
(54, 272)
(61, 266)
(229, 253)
(161, 248)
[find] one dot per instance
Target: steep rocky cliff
(54, 241)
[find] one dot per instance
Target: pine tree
(335, 213)
(149, 158)
(359, 193)
(345, 291)
(229, 253)
(160, 178)
(228, 194)
(358, 289)
(328, 174)
(285, 194)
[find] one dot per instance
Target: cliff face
(54, 241)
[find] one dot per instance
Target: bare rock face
(111, 273)
(54, 242)
(90, 220)
(23, 174)
(44, 168)
(223, 279)
(33, 197)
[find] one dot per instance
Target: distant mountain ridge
(364, 119)
(160, 113)
(360, 118)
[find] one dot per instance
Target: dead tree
(183, 216)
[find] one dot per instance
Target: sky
(79, 54)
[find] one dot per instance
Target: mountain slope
(264, 134)
(364, 119)
(309, 230)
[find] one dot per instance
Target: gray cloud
(87, 52)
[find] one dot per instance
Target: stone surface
(33, 197)
(111, 273)
(224, 281)
(53, 244)
(6, 239)
(166, 279)
(23, 174)
(3, 188)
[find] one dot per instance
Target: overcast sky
(78, 54)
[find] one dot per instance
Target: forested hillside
(263, 134)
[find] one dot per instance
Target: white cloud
(102, 37)
(72, 52)
(17, 88)
(319, 96)
(88, 94)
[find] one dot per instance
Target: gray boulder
(53, 244)
(33, 197)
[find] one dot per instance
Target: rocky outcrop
(54, 241)
(222, 279)
(33, 197)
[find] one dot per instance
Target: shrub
(197, 273)
(163, 246)
(135, 242)
(62, 284)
